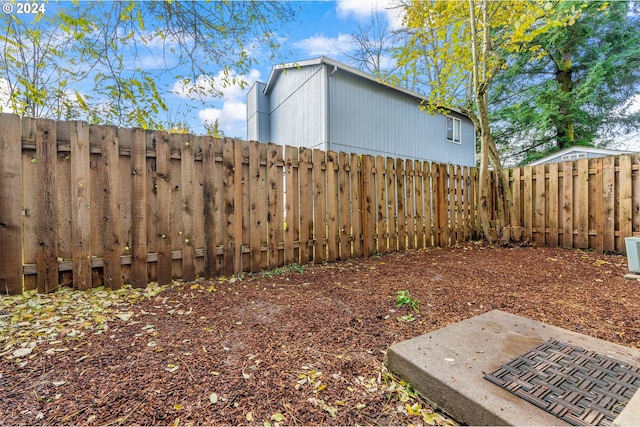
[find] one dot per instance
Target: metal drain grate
(579, 386)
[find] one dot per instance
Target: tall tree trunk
(565, 127)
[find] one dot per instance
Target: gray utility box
(633, 253)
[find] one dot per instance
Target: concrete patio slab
(447, 367)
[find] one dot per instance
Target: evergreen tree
(577, 91)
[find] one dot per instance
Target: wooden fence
(97, 205)
(588, 203)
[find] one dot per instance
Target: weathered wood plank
(608, 203)
(567, 204)
(319, 206)
(229, 192)
(539, 205)
(138, 208)
(598, 199)
(527, 202)
(10, 204)
(368, 206)
(292, 212)
(428, 207)
(410, 207)
(625, 201)
(80, 204)
(459, 205)
(258, 200)
(552, 198)
(276, 207)
(356, 204)
(443, 206)
(219, 205)
(46, 258)
(392, 205)
(381, 207)
(163, 192)
(402, 206)
(187, 213)
(344, 222)
(419, 204)
(332, 206)
(582, 201)
(306, 204)
(238, 206)
(516, 213)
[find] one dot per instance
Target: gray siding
(258, 114)
(297, 108)
(370, 118)
(321, 105)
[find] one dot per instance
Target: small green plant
(297, 268)
(406, 319)
(404, 298)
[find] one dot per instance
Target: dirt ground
(302, 348)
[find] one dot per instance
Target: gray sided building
(322, 103)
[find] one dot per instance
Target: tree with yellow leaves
(472, 42)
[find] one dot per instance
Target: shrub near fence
(96, 205)
(586, 204)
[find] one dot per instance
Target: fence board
(356, 205)
(306, 205)
(381, 207)
(163, 192)
(582, 199)
(276, 207)
(292, 203)
(80, 204)
(401, 206)
(345, 205)
(187, 212)
(626, 201)
(46, 258)
(539, 205)
(608, 203)
(10, 205)
(443, 206)
(428, 209)
(319, 205)
(138, 208)
(552, 197)
(332, 206)
(392, 205)
(228, 248)
(238, 206)
(410, 207)
(368, 200)
(567, 204)
(419, 204)
(258, 205)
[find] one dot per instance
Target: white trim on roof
(579, 149)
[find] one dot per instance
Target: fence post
(10, 204)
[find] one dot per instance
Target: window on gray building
(453, 130)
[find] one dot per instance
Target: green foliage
(91, 60)
(578, 92)
(404, 298)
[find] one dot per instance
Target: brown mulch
(305, 348)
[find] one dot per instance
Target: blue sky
(320, 28)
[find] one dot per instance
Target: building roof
(280, 68)
(579, 149)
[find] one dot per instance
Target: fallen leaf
(213, 398)
(277, 417)
(249, 416)
(21, 352)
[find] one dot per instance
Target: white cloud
(634, 104)
(5, 95)
(225, 97)
(321, 45)
(207, 87)
(363, 9)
